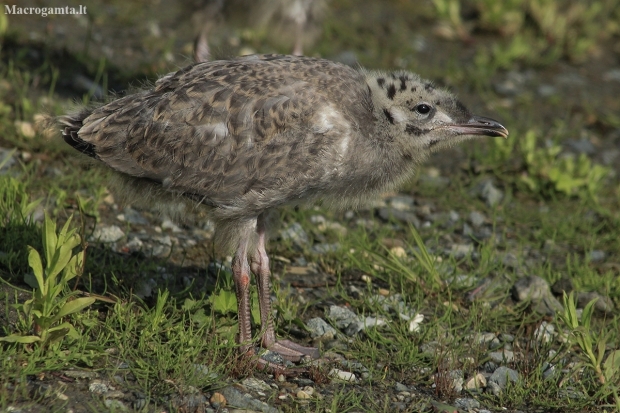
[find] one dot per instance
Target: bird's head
(421, 118)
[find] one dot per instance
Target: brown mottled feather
(226, 130)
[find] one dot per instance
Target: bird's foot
(292, 351)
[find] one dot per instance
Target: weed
(592, 349)
(50, 303)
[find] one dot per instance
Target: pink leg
(260, 267)
(241, 277)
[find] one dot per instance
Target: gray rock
(115, 405)
(399, 387)
(401, 202)
(319, 329)
(236, 398)
(106, 234)
(132, 216)
(501, 357)
(467, 403)
(544, 332)
(345, 320)
(597, 255)
(80, 374)
(408, 217)
(257, 385)
(536, 290)
(494, 388)
(603, 304)
(561, 286)
(98, 387)
(583, 145)
(502, 375)
(476, 218)
(490, 194)
(296, 234)
(324, 248)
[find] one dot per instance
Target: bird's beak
(478, 125)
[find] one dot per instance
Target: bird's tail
(71, 124)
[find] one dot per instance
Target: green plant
(569, 175)
(50, 302)
(592, 349)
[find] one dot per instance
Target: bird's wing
(221, 129)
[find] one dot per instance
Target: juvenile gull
(233, 140)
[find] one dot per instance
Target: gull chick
(234, 140)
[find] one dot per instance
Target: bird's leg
(241, 277)
(260, 267)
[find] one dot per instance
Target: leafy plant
(546, 170)
(45, 311)
(592, 349)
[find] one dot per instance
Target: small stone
(115, 405)
(218, 400)
(502, 375)
(476, 219)
(536, 290)
(98, 387)
(399, 387)
(407, 217)
(398, 252)
(107, 234)
(475, 382)
(342, 375)
(132, 216)
(80, 374)
(345, 319)
(320, 329)
(500, 357)
(296, 234)
(301, 394)
(603, 304)
(544, 332)
(168, 224)
(384, 292)
(467, 403)
(597, 255)
(561, 286)
(256, 384)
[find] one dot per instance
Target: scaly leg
(241, 277)
(260, 267)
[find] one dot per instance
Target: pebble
(257, 385)
(296, 234)
(106, 234)
(342, 375)
(467, 403)
(408, 217)
(115, 405)
(320, 329)
(218, 400)
(168, 224)
(98, 387)
(504, 356)
(544, 332)
(537, 290)
(603, 304)
(132, 216)
(475, 382)
(476, 219)
(345, 320)
(501, 376)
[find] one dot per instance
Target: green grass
(555, 211)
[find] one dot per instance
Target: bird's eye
(423, 109)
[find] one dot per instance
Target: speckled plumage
(239, 138)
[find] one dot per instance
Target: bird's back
(242, 135)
